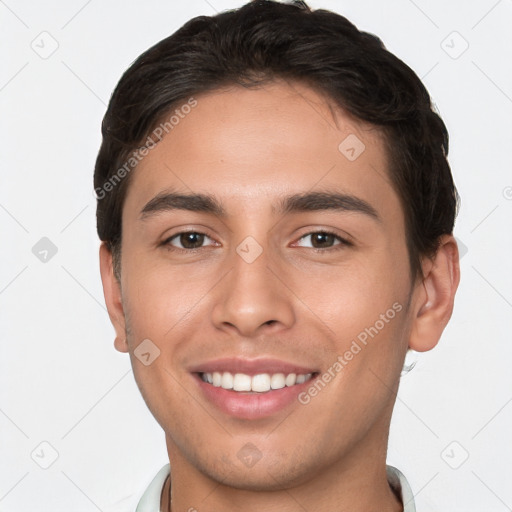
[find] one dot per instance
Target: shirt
(150, 501)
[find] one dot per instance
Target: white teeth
(227, 380)
(303, 378)
(290, 379)
(260, 383)
(216, 378)
(277, 381)
(242, 382)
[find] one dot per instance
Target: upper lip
(251, 366)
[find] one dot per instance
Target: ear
(435, 295)
(113, 298)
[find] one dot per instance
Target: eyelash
(343, 243)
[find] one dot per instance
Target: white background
(61, 379)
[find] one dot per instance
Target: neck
(357, 483)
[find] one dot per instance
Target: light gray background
(63, 383)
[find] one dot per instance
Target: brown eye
(187, 240)
(191, 240)
(321, 240)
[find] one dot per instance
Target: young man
(276, 212)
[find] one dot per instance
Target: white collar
(150, 501)
(401, 486)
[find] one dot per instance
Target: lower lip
(251, 406)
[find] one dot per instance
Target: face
(286, 275)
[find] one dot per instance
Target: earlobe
(435, 296)
(113, 298)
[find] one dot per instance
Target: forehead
(250, 145)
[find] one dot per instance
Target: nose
(251, 299)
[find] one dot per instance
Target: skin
(249, 148)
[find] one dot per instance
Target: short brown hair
(265, 40)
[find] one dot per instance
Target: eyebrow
(296, 203)
(164, 202)
(318, 201)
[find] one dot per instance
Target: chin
(263, 479)
(258, 474)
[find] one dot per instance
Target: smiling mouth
(260, 383)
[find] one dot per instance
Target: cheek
(350, 298)
(161, 298)
(364, 307)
